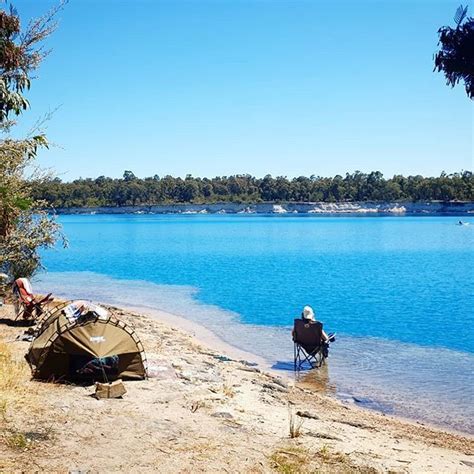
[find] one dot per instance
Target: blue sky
(230, 86)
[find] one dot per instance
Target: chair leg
(308, 358)
(294, 354)
(20, 311)
(314, 360)
(39, 310)
(298, 360)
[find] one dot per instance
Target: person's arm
(325, 336)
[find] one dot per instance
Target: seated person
(309, 316)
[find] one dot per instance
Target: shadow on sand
(21, 323)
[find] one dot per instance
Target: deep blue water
(395, 283)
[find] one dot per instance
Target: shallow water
(399, 291)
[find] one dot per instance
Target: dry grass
(327, 456)
(291, 460)
(12, 394)
(298, 460)
(195, 406)
(3, 411)
(13, 375)
(335, 461)
(204, 447)
(19, 405)
(17, 441)
(228, 390)
(295, 423)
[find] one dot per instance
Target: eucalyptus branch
(26, 223)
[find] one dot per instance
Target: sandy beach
(205, 408)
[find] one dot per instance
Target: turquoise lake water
(399, 292)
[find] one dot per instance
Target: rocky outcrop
(319, 208)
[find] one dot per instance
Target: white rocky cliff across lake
(320, 208)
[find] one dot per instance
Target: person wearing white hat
(308, 315)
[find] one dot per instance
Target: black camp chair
(309, 345)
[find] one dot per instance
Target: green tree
(357, 186)
(456, 55)
(25, 225)
(129, 176)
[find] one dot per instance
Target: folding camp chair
(27, 305)
(309, 345)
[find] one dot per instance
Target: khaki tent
(85, 347)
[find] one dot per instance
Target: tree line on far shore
(133, 191)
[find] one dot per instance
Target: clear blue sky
(229, 86)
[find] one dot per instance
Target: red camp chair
(27, 305)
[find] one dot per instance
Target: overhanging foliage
(456, 55)
(25, 224)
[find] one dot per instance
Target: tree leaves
(355, 186)
(460, 14)
(456, 55)
(25, 225)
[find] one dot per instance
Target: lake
(399, 292)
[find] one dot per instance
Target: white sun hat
(308, 313)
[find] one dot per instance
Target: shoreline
(202, 334)
(362, 208)
(207, 338)
(369, 401)
(200, 412)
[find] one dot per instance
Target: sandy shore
(204, 409)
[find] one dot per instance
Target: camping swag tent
(83, 342)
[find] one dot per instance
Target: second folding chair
(27, 305)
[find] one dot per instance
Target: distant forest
(133, 191)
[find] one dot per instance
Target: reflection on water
(317, 380)
(430, 384)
